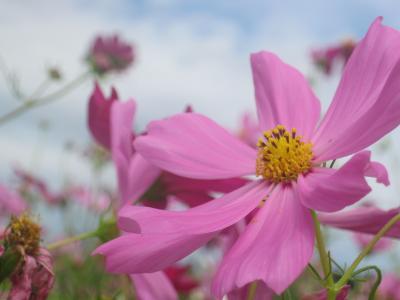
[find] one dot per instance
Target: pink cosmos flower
(10, 202)
(325, 58)
(110, 53)
(139, 180)
(278, 243)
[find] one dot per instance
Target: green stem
(32, 103)
(324, 257)
(346, 276)
(252, 291)
(70, 240)
(377, 281)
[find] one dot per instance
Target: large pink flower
(278, 243)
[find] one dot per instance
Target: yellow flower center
(282, 155)
(24, 232)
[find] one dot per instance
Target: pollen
(23, 232)
(282, 155)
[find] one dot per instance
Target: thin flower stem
(70, 240)
(252, 291)
(377, 281)
(32, 103)
(346, 276)
(324, 257)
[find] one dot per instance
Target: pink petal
(331, 190)
(275, 247)
(191, 145)
(141, 175)
(133, 172)
(209, 217)
(152, 286)
(99, 111)
(147, 253)
(194, 192)
(168, 236)
(367, 102)
(362, 219)
(283, 95)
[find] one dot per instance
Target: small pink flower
(325, 58)
(278, 243)
(10, 202)
(110, 53)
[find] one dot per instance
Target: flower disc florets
(282, 155)
(25, 233)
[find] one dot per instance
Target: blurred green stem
(346, 276)
(70, 240)
(31, 103)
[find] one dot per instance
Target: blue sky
(188, 52)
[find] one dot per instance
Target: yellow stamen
(24, 232)
(282, 155)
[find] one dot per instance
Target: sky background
(188, 52)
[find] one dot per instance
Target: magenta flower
(10, 202)
(325, 58)
(110, 53)
(278, 243)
